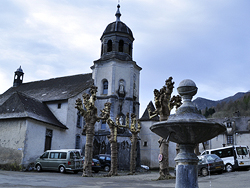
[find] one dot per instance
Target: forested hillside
(240, 107)
(237, 105)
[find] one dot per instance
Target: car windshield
(241, 150)
(45, 155)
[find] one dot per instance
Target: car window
(241, 150)
(78, 156)
(54, 155)
(45, 155)
(62, 155)
(72, 155)
(108, 159)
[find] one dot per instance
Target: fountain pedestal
(187, 127)
(186, 169)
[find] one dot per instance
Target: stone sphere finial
(187, 89)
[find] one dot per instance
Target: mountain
(202, 103)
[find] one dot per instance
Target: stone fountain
(187, 128)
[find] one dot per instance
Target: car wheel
(61, 169)
(106, 168)
(76, 172)
(229, 168)
(204, 172)
(38, 168)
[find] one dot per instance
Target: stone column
(186, 169)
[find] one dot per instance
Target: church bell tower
(115, 74)
(18, 77)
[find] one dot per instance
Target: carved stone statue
(121, 90)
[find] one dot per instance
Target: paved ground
(146, 180)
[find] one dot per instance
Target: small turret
(18, 78)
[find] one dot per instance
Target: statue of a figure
(121, 90)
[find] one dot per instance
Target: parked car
(60, 160)
(210, 163)
(96, 165)
(105, 161)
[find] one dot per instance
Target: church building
(41, 115)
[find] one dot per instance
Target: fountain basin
(187, 132)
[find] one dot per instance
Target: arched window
(109, 46)
(121, 44)
(79, 120)
(105, 87)
(78, 142)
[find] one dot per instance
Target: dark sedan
(210, 163)
(96, 165)
(105, 160)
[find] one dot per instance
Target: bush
(11, 167)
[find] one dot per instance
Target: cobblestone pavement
(141, 180)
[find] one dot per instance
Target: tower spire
(118, 14)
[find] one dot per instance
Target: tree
(164, 104)
(113, 126)
(134, 130)
(88, 110)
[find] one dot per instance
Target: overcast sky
(207, 41)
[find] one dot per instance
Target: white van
(234, 157)
(60, 160)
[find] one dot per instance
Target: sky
(206, 41)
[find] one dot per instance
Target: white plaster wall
(150, 153)
(117, 70)
(72, 120)
(60, 113)
(12, 138)
(242, 139)
(35, 140)
(216, 142)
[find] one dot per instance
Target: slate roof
(19, 105)
(53, 89)
(117, 27)
(241, 123)
(145, 116)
